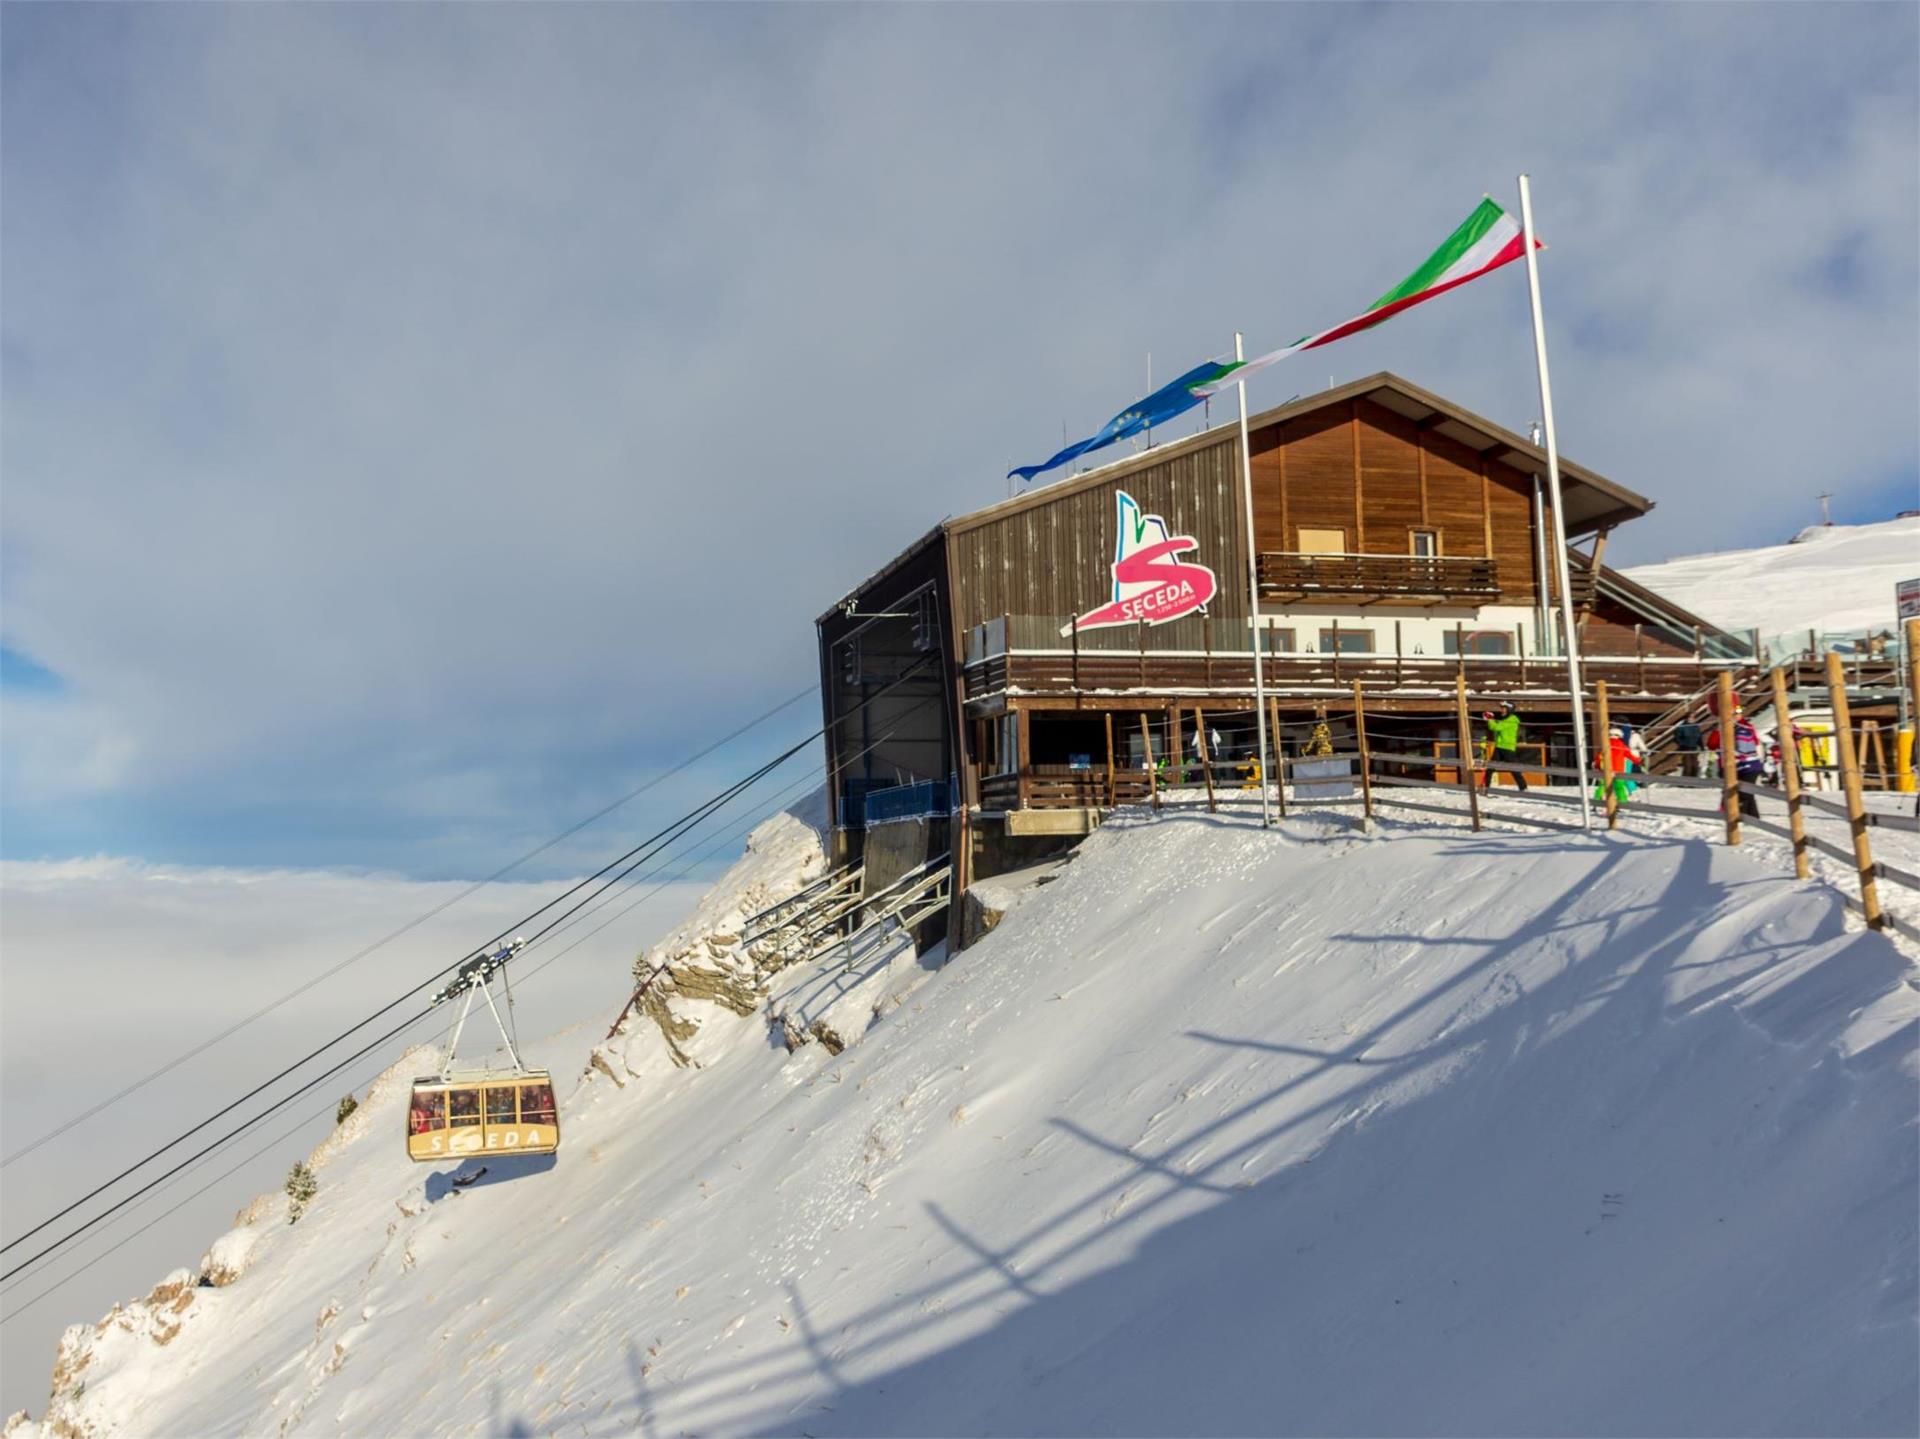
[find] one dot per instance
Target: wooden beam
(1146, 747)
(1856, 801)
(1790, 773)
(1463, 747)
(1366, 755)
(1729, 768)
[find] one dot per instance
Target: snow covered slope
(1218, 1132)
(1832, 577)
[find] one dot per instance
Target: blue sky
(423, 423)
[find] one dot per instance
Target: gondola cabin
(460, 1115)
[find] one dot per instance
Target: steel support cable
(659, 840)
(725, 795)
(549, 960)
(768, 805)
(681, 873)
(535, 970)
(384, 940)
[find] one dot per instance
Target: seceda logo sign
(1149, 583)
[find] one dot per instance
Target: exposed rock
(227, 1260)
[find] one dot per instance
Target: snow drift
(1221, 1131)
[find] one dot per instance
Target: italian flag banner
(1488, 239)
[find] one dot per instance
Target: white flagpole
(1571, 634)
(1253, 595)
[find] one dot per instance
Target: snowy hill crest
(1596, 1134)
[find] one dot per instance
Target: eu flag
(1162, 405)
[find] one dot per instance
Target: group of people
(1622, 754)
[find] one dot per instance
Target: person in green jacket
(1503, 745)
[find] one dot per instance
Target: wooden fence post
(1111, 795)
(1870, 744)
(1463, 746)
(1366, 754)
(1146, 745)
(1790, 772)
(1607, 793)
(1206, 759)
(1913, 673)
(1176, 752)
(1279, 759)
(1729, 766)
(1856, 802)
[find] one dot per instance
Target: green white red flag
(1488, 239)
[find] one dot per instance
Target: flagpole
(1571, 634)
(1253, 594)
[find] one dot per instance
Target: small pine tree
(301, 1187)
(347, 1106)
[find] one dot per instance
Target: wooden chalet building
(1020, 660)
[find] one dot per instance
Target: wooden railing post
(1640, 654)
(1729, 766)
(1790, 772)
(1023, 757)
(1206, 760)
(1146, 746)
(1608, 796)
(1913, 675)
(1279, 760)
(1366, 754)
(1856, 801)
(1111, 796)
(1399, 656)
(1464, 747)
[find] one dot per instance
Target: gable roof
(1593, 502)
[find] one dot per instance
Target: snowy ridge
(1221, 1131)
(1828, 578)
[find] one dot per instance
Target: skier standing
(1747, 758)
(1503, 746)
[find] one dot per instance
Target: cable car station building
(1028, 657)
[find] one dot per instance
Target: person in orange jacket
(1620, 755)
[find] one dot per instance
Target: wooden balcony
(1389, 577)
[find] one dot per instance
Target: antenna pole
(1253, 597)
(1572, 636)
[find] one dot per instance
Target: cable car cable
(727, 794)
(217, 1144)
(412, 924)
(664, 837)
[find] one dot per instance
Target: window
(500, 1105)
(1279, 641)
(1322, 542)
(1346, 641)
(466, 1106)
(1480, 642)
(429, 1113)
(536, 1104)
(1423, 544)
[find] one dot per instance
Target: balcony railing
(1442, 576)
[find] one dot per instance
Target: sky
(420, 425)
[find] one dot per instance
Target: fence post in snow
(1463, 747)
(1366, 754)
(1856, 801)
(1790, 772)
(1608, 795)
(1729, 766)
(1146, 748)
(1279, 758)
